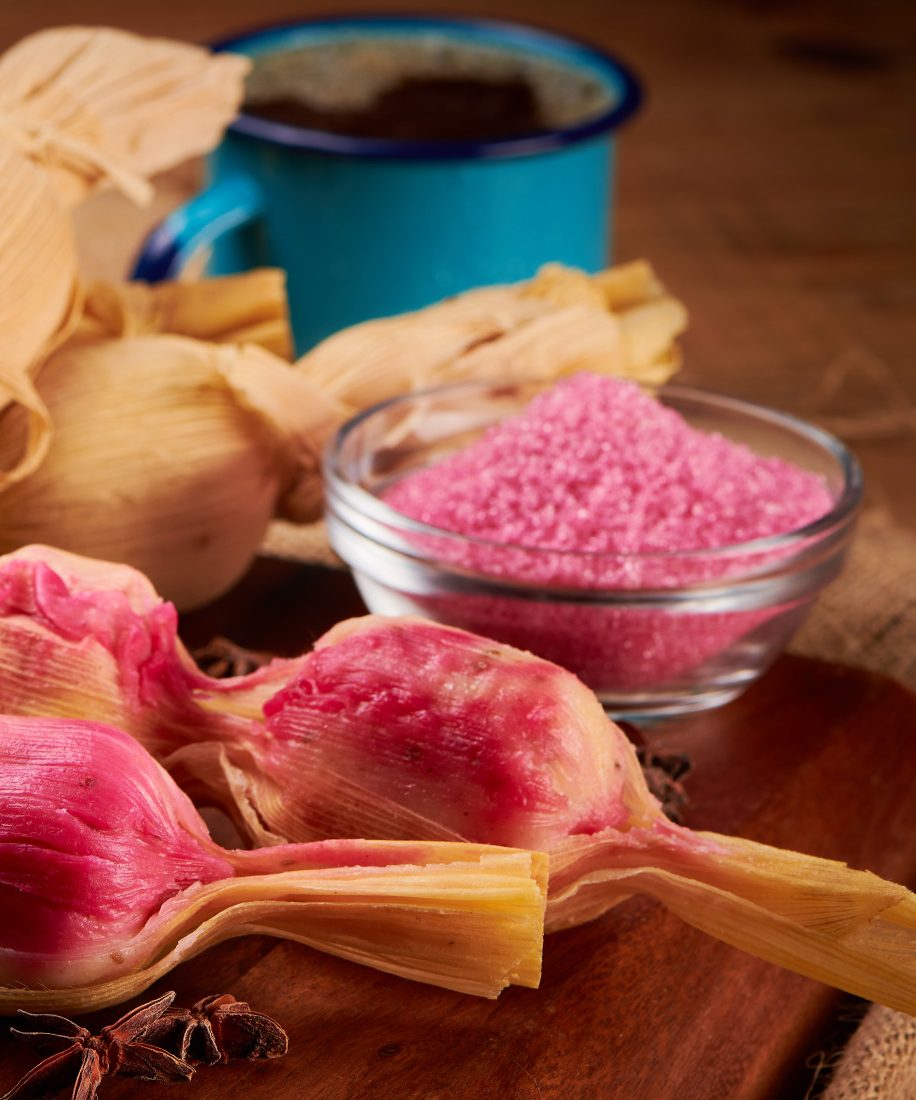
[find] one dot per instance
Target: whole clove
(82, 1060)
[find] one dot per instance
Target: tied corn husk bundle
(117, 471)
(167, 452)
(406, 729)
(109, 879)
(101, 107)
(82, 108)
(620, 321)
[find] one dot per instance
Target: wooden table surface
(771, 179)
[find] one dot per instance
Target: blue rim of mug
(628, 87)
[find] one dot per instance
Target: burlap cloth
(865, 618)
(878, 1062)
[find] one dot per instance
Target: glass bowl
(678, 632)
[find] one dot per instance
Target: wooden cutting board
(634, 1005)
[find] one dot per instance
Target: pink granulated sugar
(596, 465)
(598, 485)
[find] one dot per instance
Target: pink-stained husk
(109, 878)
(407, 729)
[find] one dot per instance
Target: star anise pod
(217, 1029)
(82, 1059)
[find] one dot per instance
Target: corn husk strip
(81, 107)
(99, 106)
(621, 322)
(472, 925)
(235, 309)
(39, 289)
(167, 453)
(817, 917)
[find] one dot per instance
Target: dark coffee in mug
(419, 89)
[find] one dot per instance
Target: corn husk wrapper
(407, 729)
(620, 322)
(98, 107)
(233, 309)
(119, 882)
(80, 108)
(815, 916)
(168, 453)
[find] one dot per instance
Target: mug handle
(228, 204)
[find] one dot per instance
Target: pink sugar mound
(596, 485)
(596, 465)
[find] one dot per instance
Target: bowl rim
(374, 508)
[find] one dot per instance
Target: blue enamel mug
(367, 227)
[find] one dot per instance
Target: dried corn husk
(38, 263)
(235, 309)
(97, 106)
(817, 917)
(40, 299)
(620, 322)
(168, 453)
(80, 108)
